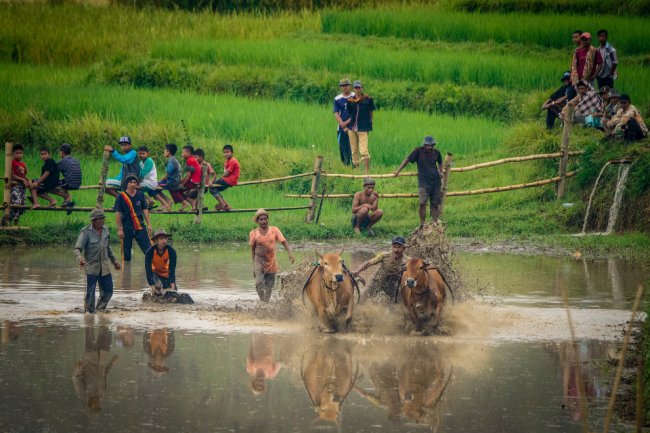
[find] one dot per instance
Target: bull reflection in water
(90, 373)
(159, 344)
(328, 375)
(261, 364)
(410, 385)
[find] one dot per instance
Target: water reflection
(90, 373)
(10, 331)
(158, 344)
(328, 375)
(409, 384)
(260, 363)
(125, 337)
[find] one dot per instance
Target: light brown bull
(424, 291)
(330, 288)
(328, 375)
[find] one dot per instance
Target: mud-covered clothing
(264, 244)
(105, 292)
(388, 275)
(161, 265)
(96, 250)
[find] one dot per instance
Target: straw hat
(259, 213)
(160, 232)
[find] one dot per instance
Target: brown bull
(328, 375)
(424, 291)
(331, 290)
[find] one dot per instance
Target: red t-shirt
(581, 56)
(196, 176)
(231, 166)
(18, 168)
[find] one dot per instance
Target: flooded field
(227, 364)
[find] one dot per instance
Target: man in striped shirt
(70, 169)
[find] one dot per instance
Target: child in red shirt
(18, 174)
(192, 179)
(229, 178)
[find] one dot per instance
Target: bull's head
(415, 275)
(330, 403)
(332, 265)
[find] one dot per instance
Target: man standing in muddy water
(262, 241)
(390, 271)
(94, 254)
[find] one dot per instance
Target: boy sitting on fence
(149, 177)
(192, 178)
(230, 178)
(171, 181)
(49, 179)
(70, 168)
(19, 176)
(199, 154)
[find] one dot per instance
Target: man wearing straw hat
(94, 254)
(262, 241)
(160, 264)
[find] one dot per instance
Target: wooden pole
(318, 166)
(564, 159)
(109, 210)
(449, 159)
(102, 179)
(201, 193)
(6, 197)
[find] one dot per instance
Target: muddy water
(507, 367)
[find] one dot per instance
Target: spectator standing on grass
(554, 104)
(365, 208)
(94, 254)
(70, 169)
(262, 241)
(575, 37)
(129, 159)
(130, 215)
(231, 170)
(343, 119)
(586, 103)
(171, 181)
(192, 178)
(628, 123)
(49, 179)
(607, 73)
(429, 162)
(587, 61)
(360, 108)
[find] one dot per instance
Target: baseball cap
(429, 140)
(398, 240)
(97, 213)
(125, 139)
(357, 83)
(604, 89)
(566, 76)
(585, 35)
(344, 82)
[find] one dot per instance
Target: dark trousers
(344, 147)
(551, 115)
(607, 81)
(162, 282)
(105, 292)
(140, 236)
(633, 131)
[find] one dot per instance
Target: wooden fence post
(6, 198)
(201, 193)
(102, 179)
(564, 159)
(315, 182)
(449, 159)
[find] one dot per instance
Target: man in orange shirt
(262, 241)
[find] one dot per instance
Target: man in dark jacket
(360, 108)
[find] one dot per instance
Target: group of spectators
(605, 109)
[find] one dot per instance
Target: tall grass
(627, 34)
(516, 71)
(613, 7)
(70, 34)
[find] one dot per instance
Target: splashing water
(623, 172)
(591, 197)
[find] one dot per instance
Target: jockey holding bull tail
(390, 271)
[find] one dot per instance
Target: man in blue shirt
(343, 119)
(130, 165)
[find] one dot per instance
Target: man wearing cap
(130, 214)
(611, 107)
(587, 61)
(94, 254)
(343, 119)
(365, 212)
(554, 104)
(429, 162)
(390, 271)
(628, 123)
(262, 241)
(360, 107)
(130, 165)
(160, 264)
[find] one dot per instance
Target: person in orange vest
(160, 264)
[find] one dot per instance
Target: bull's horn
(341, 252)
(318, 255)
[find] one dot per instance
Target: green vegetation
(265, 82)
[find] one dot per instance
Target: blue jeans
(105, 292)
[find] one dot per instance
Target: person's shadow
(90, 373)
